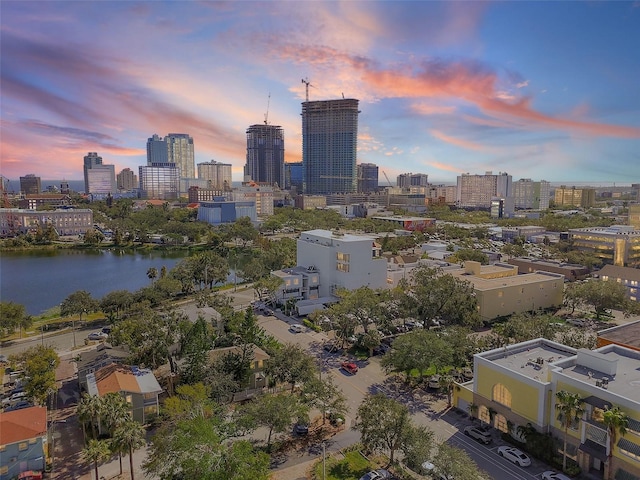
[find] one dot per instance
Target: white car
(514, 455)
(97, 336)
(296, 328)
(551, 475)
(481, 434)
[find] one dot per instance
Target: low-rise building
(527, 232)
(500, 291)
(138, 386)
(223, 211)
(626, 335)
(407, 223)
(571, 271)
(66, 221)
(298, 283)
(23, 442)
(617, 245)
(93, 360)
(629, 277)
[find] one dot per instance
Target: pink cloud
(458, 142)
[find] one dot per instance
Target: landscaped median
(351, 463)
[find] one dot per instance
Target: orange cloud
(459, 142)
(444, 166)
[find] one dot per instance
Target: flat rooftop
(330, 235)
(627, 334)
(624, 382)
(531, 359)
(515, 280)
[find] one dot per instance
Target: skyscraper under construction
(265, 154)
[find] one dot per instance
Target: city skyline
(540, 90)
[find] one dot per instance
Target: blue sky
(541, 90)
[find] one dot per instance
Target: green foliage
(601, 295)
(291, 364)
(454, 462)
(569, 407)
(39, 363)
(465, 254)
(12, 316)
(78, 303)
(96, 452)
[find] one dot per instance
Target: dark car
(381, 349)
(301, 429)
(331, 348)
(18, 406)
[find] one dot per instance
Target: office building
(222, 210)
(199, 195)
(265, 155)
(501, 207)
(91, 159)
(217, 174)
(617, 245)
(66, 221)
(329, 146)
(101, 180)
(261, 195)
(407, 180)
(342, 260)
(310, 202)
(477, 191)
(571, 271)
(126, 180)
(159, 181)
(634, 215)
(367, 177)
(294, 176)
(530, 195)
(30, 184)
(176, 148)
(629, 277)
(575, 197)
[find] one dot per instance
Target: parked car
(551, 475)
(296, 328)
(332, 348)
(301, 428)
(106, 330)
(18, 395)
(349, 367)
(434, 382)
(514, 455)
(381, 349)
(427, 468)
(379, 474)
(97, 336)
(18, 406)
(481, 434)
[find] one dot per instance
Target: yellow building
(517, 385)
(575, 197)
(501, 291)
(634, 216)
(618, 244)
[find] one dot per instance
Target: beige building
(501, 291)
(634, 215)
(310, 202)
(575, 197)
(217, 174)
(71, 221)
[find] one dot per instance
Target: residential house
(258, 357)
(23, 442)
(93, 360)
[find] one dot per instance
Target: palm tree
(152, 273)
(116, 411)
(96, 451)
(570, 410)
(129, 436)
(89, 409)
(616, 422)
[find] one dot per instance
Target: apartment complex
(69, 221)
(477, 191)
(217, 175)
(500, 291)
(261, 195)
(159, 181)
(575, 197)
(516, 385)
(30, 184)
(617, 245)
(329, 146)
(24, 445)
(367, 177)
(407, 180)
(91, 160)
(629, 277)
(265, 155)
(126, 180)
(101, 180)
(530, 195)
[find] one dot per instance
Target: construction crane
(307, 85)
(385, 176)
(266, 115)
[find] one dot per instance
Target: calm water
(41, 280)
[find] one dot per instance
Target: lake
(40, 280)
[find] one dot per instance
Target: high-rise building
(30, 184)
(329, 146)
(126, 180)
(218, 175)
(91, 159)
(367, 177)
(477, 191)
(159, 181)
(294, 176)
(180, 152)
(157, 151)
(265, 155)
(407, 180)
(101, 180)
(174, 148)
(575, 197)
(528, 194)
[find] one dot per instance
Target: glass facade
(159, 181)
(265, 154)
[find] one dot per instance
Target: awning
(30, 475)
(593, 449)
(598, 402)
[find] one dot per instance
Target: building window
(483, 414)
(500, 293)
(629, 449)
(501, 423)
(342, 267)
(23, 446)
(129, 399)
(343, 257)
(501, 395)
(4, 469)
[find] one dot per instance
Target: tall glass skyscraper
(329, 145)
(91, 159)
(175, 148)
(265, 155)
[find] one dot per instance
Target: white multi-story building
(531, 195)
(342, 260)
(101, 180)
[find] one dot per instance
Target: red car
(349, 367)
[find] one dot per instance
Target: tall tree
(78, 303)
(570, 409)
(114, 412)
(454, 462)
(129, 436)
(325, 395)
(115, 303)
(291, 364)
(89, 410)
(616, 422)
(383, 423)
(96, 452)
(11, 316)
(40, 365)
(603, 296)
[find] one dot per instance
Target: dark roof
(624, 273)
(597, 402)
(594, 449)
(627, 335)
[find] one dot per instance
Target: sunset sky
(541, 90)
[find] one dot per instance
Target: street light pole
(324, 461)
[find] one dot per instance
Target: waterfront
(40, 280)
